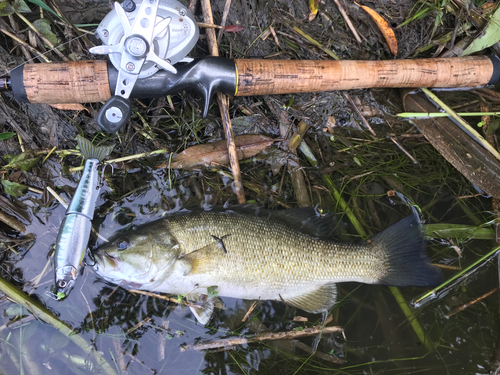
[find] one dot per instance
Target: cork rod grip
(267, 77)
(68, 82)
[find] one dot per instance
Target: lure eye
(122, 244)
(61, 284)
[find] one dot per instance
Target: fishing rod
(148, 41)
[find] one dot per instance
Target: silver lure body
(74, 232)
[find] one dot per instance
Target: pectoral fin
(204, 259)
(203, 313)
(317, 301)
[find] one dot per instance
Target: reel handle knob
(114, 114)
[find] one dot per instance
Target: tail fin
(408, 265)
(89, 151)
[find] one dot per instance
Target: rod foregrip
(57, 83)
(267, 77)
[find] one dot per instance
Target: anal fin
(203, 313)
(317, 301)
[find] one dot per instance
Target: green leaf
(44, 6)
(43, 25)
(6, 135)
(489, 36)
(6, 9)
(24, 161)
(212, 291)
(21, 6)
(493, 126)
(13, 188)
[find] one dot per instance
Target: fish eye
(122, 244)
(61, 284)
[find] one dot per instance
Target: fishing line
(43, 54)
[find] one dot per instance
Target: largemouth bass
(74, 233)
(272, 255)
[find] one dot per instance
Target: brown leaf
(384, 27)
(313, 9)
(216, 153)
(234, 28)
(69, 107)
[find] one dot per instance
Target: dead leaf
(234, 28)
(216, 153)
(313, 9)
(69, 107)
(384, 27)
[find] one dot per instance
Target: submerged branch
(234, 341)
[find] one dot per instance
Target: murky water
(142, 334)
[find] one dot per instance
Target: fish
(74, 232)
(282, 255)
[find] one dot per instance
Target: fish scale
(298, 256)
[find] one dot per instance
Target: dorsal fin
(89, 151)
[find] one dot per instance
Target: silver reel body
(172, 45)
(141, 37)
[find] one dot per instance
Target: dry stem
(222, 99)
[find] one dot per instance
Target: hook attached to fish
(74, 232)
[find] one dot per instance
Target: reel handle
(114, 114)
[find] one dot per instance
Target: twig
(415, 161)
(222, 99)
(227, 6)
(57, 197)
(209, 25)
(320, 355)
(192, 6)
(12, 222)
(468, 304)
(119, 356)
(48, 155)
(358, 112)
(348, 21)
(41, 36)
(315, 42)
(423, 115)
(126, 158)
(249, 311)
(23, 43)
(233, 341)
(138, 325)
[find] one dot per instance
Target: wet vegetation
(321, 154)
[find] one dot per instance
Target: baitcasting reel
(142, 37)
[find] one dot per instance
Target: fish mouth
(103, 259)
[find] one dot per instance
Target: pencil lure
(74, 233)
